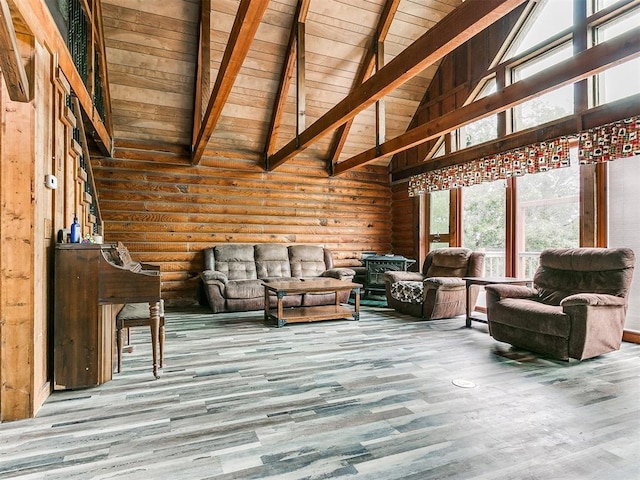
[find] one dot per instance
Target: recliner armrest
(394, 276)
(210, 275)
(500, 291)
(444, 282)
(592, 300)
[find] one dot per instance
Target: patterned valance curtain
(608, 142)
(539, 157)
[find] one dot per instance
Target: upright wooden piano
(92, 282)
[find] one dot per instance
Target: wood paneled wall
(36, 139)
(167, 213)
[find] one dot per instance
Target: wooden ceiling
(152, 52)
(152, 49)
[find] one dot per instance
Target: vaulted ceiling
(153, 50)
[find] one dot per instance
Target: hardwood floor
(388, 397)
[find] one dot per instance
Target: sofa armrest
(592, 300)
(445, 283)
(394, 276)
(346, 274)
(210, 275)
(214, 288)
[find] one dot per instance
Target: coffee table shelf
(314, 313)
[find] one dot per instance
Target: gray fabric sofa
(576, 309)
(233, 274)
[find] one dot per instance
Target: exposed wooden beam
(40, 23)
(285, 78)
(591, 118)
(456, 28)
(381, 124)
(244, 29)
(580, 66)
(364, 72)
(203, 67)
(15, 75)
(301, 78)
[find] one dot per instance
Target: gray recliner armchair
(576, 308)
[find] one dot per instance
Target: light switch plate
(50, 181)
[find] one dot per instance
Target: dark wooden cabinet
(90, 286)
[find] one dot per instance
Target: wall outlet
(50, 181)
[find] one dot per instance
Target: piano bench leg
(138, 315)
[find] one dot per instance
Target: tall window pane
(439, 219)
(548, 214)
(624, 223)
(550, 106)
(622, 80)
(483, 223)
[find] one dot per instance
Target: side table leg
(356, 307)
(469, 307)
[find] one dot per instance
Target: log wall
(167, 213)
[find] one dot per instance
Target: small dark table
(488, 281)
(376, 265)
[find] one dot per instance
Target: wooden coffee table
(314, 313)
(487, 281)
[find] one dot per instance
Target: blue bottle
(75, 230)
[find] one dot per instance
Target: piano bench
(137, 315)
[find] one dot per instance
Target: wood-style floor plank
(374, 399)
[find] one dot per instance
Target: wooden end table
(314, 313)
(470, 281)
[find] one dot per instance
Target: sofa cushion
(408, 291)
(244, 289)
(272, 260)
(236, 261)
(307, 260)
(450, 262)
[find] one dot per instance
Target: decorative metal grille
(78, 37)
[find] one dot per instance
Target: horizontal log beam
(579, 67)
